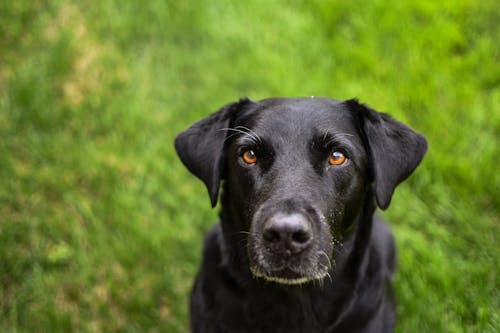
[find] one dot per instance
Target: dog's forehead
(302, 117)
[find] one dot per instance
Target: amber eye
(336, 158)
(249, 157)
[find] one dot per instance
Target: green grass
(100, 224)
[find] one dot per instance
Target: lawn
(100, 224)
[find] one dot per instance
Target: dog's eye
(337, 158)
(249, 157)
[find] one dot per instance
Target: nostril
(301, 237)
(271, 235)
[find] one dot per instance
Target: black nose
(287, 234)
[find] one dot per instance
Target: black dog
(298, 247)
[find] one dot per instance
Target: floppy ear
(201, 146)
(395, 149)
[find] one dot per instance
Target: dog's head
(297, 173)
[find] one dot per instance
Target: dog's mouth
(288, 276)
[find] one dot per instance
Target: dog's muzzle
(289, 247)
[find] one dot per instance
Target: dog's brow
(242, 130)
(334, 137)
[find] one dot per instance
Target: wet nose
(287, 234)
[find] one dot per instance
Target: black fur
(298, 247)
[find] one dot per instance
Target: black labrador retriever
(298, 247)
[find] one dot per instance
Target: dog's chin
(287, 276)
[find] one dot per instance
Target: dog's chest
(266, 311)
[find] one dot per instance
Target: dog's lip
(286, 276)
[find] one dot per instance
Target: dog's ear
(395, 150)
(201, 146)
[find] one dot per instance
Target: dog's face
(297, 169)
(297, 174)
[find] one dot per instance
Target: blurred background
(100, 224)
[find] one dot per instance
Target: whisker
(327, 258)
(230, 136)
(327, 133)
(235, 129)
(251, 133)
(242, 130)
